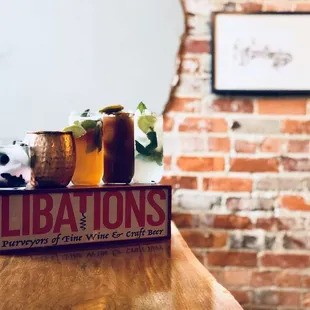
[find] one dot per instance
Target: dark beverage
(118, 147)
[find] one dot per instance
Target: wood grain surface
(162, 275)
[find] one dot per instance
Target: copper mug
(52, 158)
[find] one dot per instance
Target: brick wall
(240, 168)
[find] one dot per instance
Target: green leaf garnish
(153, 141)
(98, 136)
(148, 153)
(158, 157)
(89, 124)
(85, 113)
(141, 149)
(147, 123)
(155, 156)
(96, 141)
(141, 107)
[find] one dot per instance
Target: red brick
(277, 7)
(296, 127)
(303, 7)
(306, 300)
(298, 146)
(168, 123)
(295, 203)
(278, 298)
(272, 145)
(203, 125)
(201, 163)
(236, 277)
(293, 164)
(275, 224)
(243, 297)
(196, 46)
(182, 220)
(242, 146)
(219, 144)
(183, 105)
(251, 7)
(262, 278)
(228, 184)
(246, 259)
(287, 106)
(287, 279)
(233, 105)
(180, 182)
(254, 165)
(289, 298)
(230, 221)
(285, 260)
(196, 238)
(167, 162)
(306, 281)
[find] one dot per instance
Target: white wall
(62, 55)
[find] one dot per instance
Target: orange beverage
(88, 143)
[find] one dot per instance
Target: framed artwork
(261, 53)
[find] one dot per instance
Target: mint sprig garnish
(89, 124)
(96, 142)
(141, 149)
(147, 150)
(155, 156)
(146, 122)
(149, 153)
(153, 141)
(141, 107)
(86, 113)
(98, 136)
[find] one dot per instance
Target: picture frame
(260, 53)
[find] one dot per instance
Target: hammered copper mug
(52, 158)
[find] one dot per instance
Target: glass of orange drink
(87, 132)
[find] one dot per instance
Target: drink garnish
(147, 150)
(146, 122)
(96, 141)
(77, 130)
(89, 124)
(112, 109)
(141, 107)
(86, 113)
(154, 156)
(98, 136)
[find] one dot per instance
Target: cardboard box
(35, 218)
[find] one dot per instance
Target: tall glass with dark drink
(118, 145)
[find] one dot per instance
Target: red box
(33, 218)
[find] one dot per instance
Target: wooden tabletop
(162, 275)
